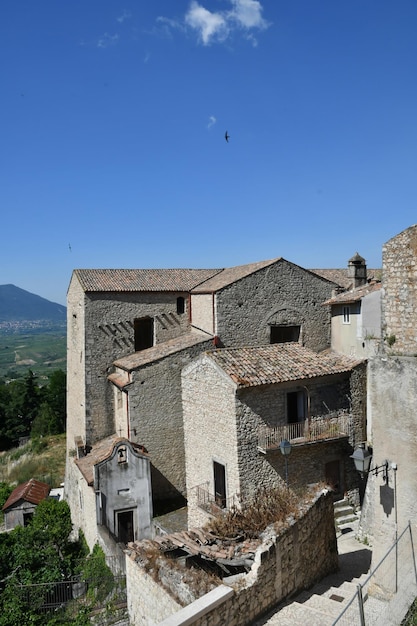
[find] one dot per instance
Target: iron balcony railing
(332, 426)
(215, 504)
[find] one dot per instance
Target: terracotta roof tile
(101, 451)
(32, 491)
(354, 295)
(231, 275)
(144, 357)
(341, 276)
(145, 280)
(278, 363)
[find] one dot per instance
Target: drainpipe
(308, 408)
(213, 310)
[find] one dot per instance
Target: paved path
(354, 563)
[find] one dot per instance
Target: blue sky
(112, 148)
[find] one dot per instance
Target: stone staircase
(344, 515)
(317, 610)
(322, 605)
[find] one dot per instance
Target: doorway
(219, 484)
(125, 528)
(332, 472)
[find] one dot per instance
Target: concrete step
(346, 591)
(298, 614)
(325, 605)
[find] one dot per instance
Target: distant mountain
(18, 305)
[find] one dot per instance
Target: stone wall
(392, 393)
(102, 332)
(156, 419)
(82, 502)
(221, 424)
(281, 294)
(278, 572)
(75, 364)
(399, 293)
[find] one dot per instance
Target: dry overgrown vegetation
(268, 507)
(189, 579)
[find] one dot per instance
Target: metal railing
(389, 590)
(215, 503)
(320, 428)
(45, 598)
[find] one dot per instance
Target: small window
(180, 305)
(122, 455)
(283, 334)
(346, 314)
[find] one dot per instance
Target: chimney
(357, 270)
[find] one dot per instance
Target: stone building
(390, 504)
(113, 494)
(131, 333)
(239, 404)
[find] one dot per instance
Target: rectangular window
(284, 334)
(346, 314)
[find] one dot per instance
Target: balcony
(335, 425)
(214, 504)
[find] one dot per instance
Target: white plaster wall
(202, 312)
(392, 397)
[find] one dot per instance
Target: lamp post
(285, 448)
(362, 459)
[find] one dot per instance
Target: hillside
(44, 460)
(18, 305)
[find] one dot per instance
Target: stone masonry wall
(210, 432)
(279, 571)
(156, 419)
(109, 335)
(281, 294)
(399, 293)
(221, 424)
(82, 502)
(75, 364)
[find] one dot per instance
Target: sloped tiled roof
(278, 363)
(145, 280)
(101, 451)
(341, 276)
(160, 351)
(32, 491)
(231, 275)
(354, 295)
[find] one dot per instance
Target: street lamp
(362, 459)
(285, 448)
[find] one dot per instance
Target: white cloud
(244, 15)
(124, 16)
(208, 25)
(211, 122)
(248, 14)
(107, 40)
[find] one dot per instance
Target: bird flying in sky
(226, 136)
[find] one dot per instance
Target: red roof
(31, 491)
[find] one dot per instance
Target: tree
(38, 553)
